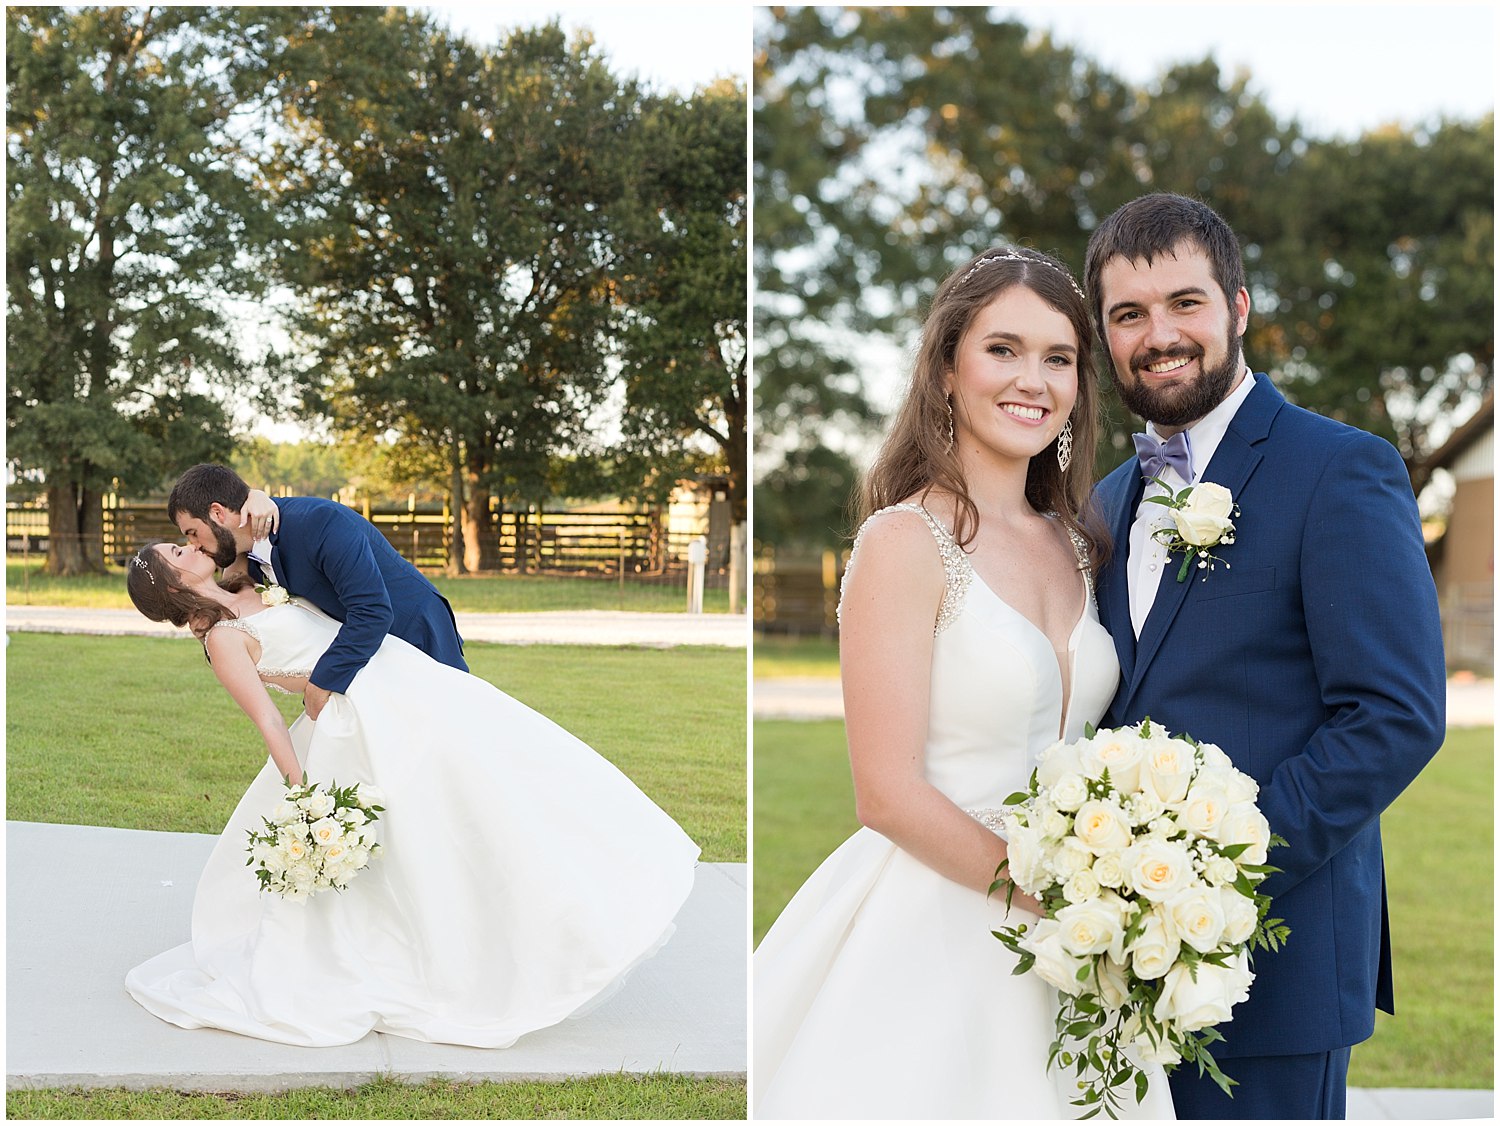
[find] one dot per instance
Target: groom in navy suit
(333, 557)
(1311, 653)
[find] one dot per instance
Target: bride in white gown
(969, 641)
(522, 874)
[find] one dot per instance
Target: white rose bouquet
(317, 837)
(1202, 518)
(1145, 851)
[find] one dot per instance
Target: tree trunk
(481, 544)
(454, 566)
(75, 531)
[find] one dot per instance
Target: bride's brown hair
(917, 455)
(157, 589)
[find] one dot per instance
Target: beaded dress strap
(244, 625)
(1081, 550)
(957, 571)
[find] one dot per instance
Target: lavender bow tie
(1156, 456)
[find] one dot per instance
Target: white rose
(1209, 499)
(1142, 1047)
(1109, 871)
(1193, 1004)
(1069, 792)
(1200, 530)
(326, 831)
(1245, 824)
(1157, 869)
(1071, 856)
(1090, 928)
(1203, 809)
(1162, 827)
(352, 815)
(1214, 758)
(358, 857)
(1111, 983)
(336, 855)
(1154, 950)
(1240, 915)
(1024, 851)
(316, 803)
(1054, 964)
(1236, 785)
(1057, 760)
(370, 795)
(1102, 826)
(285, 813)
(294, 849)
(274, 596)
(1081, 887)
(1054, 825)
(1220, 870)
(1120, 754)
(1168, 768)
(1197, 915)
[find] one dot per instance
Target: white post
(697, 563)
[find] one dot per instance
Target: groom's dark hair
(1154, 225)
(203, 486)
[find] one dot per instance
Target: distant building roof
(1458, 443)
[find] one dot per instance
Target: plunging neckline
(1065, 679)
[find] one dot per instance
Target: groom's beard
(225, 551)
(1186, 404)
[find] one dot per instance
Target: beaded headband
(1017, 256)
(140, 562)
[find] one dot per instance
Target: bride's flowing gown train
(523, 875)
(880, 991)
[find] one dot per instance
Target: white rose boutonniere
(272, 595)
(1202, 518)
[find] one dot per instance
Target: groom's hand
(313, 699)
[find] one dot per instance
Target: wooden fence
(580, 542)
(797, 594)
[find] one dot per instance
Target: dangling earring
(951, 438)
(1065, 446)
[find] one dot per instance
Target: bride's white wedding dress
(522, 876)
(880, 991)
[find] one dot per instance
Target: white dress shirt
(260, 551)
(1148, 559)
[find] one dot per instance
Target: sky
(680, 46)
(1339, 69)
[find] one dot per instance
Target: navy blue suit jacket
(339, 561)
(1316, 662)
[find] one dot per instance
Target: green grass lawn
(136, 733)
(596, 1097)
(25, 585)
(777, 655)
(1439, 850)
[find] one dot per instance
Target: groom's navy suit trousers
(1315, 661)
(340, 562)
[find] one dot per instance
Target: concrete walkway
(86, 904)
(1471, 701)
(563, 627)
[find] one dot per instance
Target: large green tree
(684, 287)
(897, 141)
(451, 240)
(132, 209)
